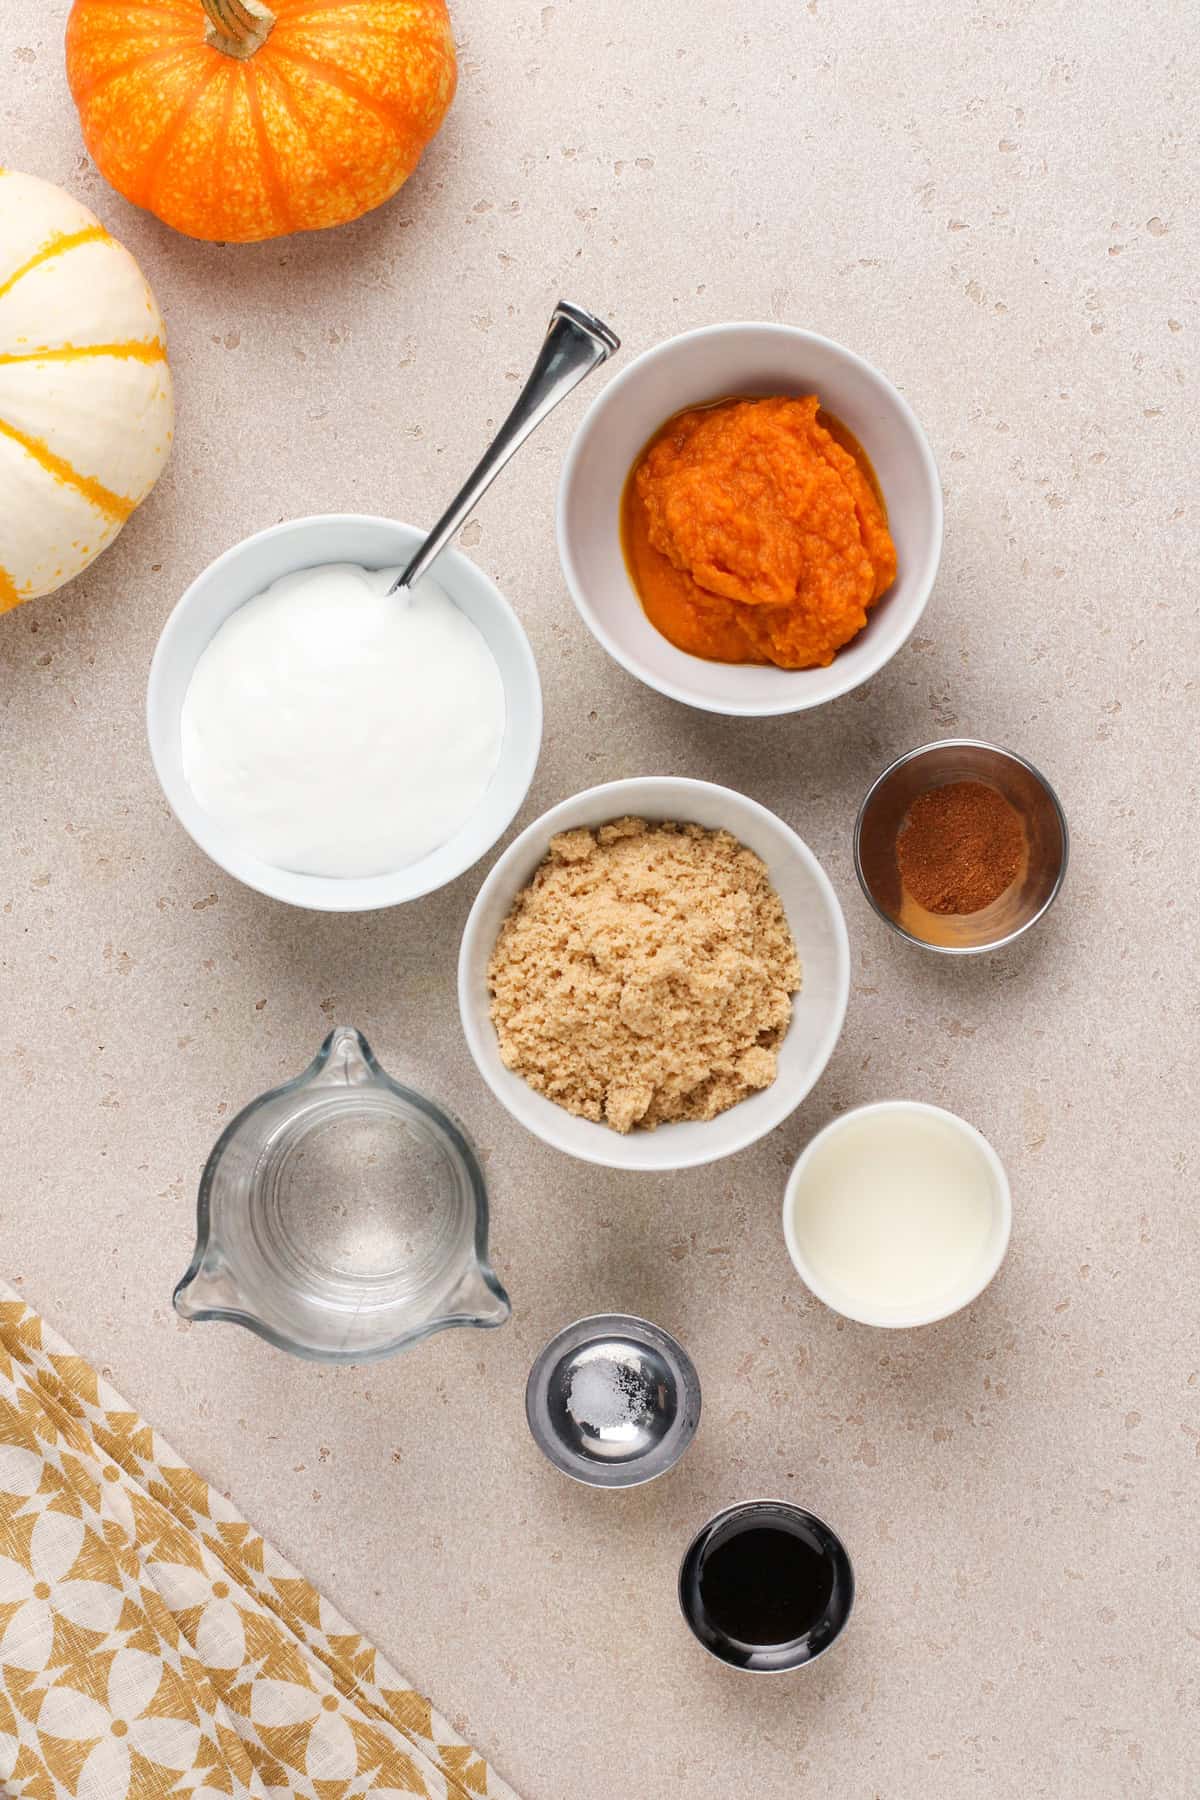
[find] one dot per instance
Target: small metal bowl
(613, 1401)
(882, 816)
(777, 1658)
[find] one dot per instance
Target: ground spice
(960, 846)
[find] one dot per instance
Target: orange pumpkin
(235, 122)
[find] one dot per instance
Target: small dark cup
(818, 1634)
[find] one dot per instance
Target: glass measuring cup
(342, 1217)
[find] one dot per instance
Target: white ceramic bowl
(246, 570)
(707, 365)
(817, 925)
(976, 1274)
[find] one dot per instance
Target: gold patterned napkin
(151, 1643)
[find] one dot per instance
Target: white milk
(894, 1210)
(336, 729)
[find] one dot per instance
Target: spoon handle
(576, 343)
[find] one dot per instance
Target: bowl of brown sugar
(961, 846)
(654, 974)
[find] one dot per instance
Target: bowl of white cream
(332, 744)
(897, 1214)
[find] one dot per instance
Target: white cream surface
(894, 1210)
(336, 729)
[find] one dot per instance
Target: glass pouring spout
(342, 1217)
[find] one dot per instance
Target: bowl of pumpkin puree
(750, 519)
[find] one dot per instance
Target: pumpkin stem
(237, 27)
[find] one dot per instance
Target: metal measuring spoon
(576, 343)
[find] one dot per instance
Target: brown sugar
(645, 974)
(960, 846)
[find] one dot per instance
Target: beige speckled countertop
(997, 204)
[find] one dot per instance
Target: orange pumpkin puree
(755, 532)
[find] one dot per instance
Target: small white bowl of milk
(897, 1214)
(333, 744)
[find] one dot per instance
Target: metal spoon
(576, 343)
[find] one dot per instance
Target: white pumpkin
(86, 407)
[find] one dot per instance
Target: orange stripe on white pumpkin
(147, 350)
(9, 596)
(55, 246)
(115, 506)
